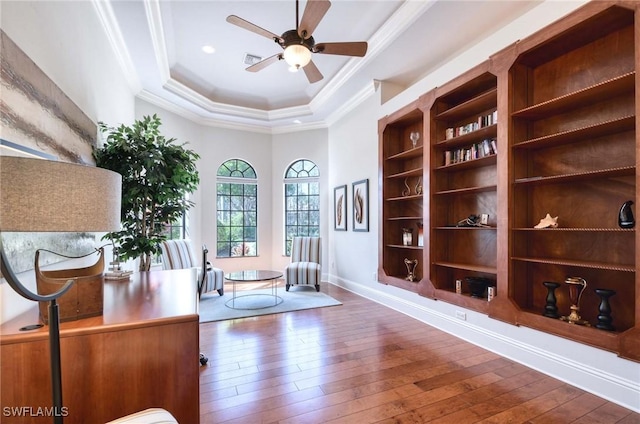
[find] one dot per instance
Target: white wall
(66, 40)
(353, 144)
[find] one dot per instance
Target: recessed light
(208, 49)
(297, 121)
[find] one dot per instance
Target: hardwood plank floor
(365, 363)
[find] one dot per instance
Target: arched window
(302, 201)
(237, 209)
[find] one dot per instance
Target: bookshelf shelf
(596, 93)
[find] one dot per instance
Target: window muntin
(237, 210)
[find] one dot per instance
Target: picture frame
(360, 201)
(340, 208)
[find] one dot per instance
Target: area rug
(213, 307)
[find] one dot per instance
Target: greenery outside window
(302, 201)
(237, 210)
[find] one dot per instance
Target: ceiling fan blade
(312, 72)
(356, 48)
(314, 11)
(233, 19)
(264, 63)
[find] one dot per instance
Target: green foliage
(157, 174)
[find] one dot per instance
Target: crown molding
(245, 118)
(156, 31)
(114, 35)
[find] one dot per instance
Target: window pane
(237, 234)
(250, 204)
(237, 189)
(223, 250)
(224, 218)
(250, 234)
(290, 189)
(250, 219)
(292, 218)
(303, 203)
(314, 218)
(237, 218)
(314, 202)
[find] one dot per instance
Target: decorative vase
(414, 136)
(604, 310)
(625, 217)
(407, 237)
(419, 186)
(576, 288)
(407, 190)
(411, 269)
(550, 308)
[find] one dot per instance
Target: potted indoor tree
(157, 174)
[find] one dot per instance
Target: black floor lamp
(46, 196)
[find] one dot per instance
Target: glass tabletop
(253, 275)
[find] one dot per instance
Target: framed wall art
(340, 208)
(361, 205)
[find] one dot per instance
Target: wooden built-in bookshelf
(560, 111)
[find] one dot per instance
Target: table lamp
(46, 196)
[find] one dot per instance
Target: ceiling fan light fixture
(297, 56)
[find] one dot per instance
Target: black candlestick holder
(550, 308)
(604, 310)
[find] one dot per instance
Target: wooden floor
(364, 363)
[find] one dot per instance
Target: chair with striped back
(305, 265)
(178, 254)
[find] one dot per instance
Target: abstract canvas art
(37, 114)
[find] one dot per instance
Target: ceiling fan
(298, 44)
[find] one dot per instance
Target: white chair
(305, 265)
(178, 254)
(148, 416)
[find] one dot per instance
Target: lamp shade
(297, 55)
(46, 196)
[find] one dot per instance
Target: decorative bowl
(478, 285)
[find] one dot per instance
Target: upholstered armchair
(178, 254)
(148, 416)
(305, 265)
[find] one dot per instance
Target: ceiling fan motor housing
(291, 37)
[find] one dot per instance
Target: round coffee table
(251, 276)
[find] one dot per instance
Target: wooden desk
(142, 352)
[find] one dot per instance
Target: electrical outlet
(375, 276)
(484, 219)
(461, 315)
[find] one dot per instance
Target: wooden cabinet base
(111, 366)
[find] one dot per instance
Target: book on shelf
(482, 121)
(486, 147)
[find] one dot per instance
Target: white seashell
(547, 222)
